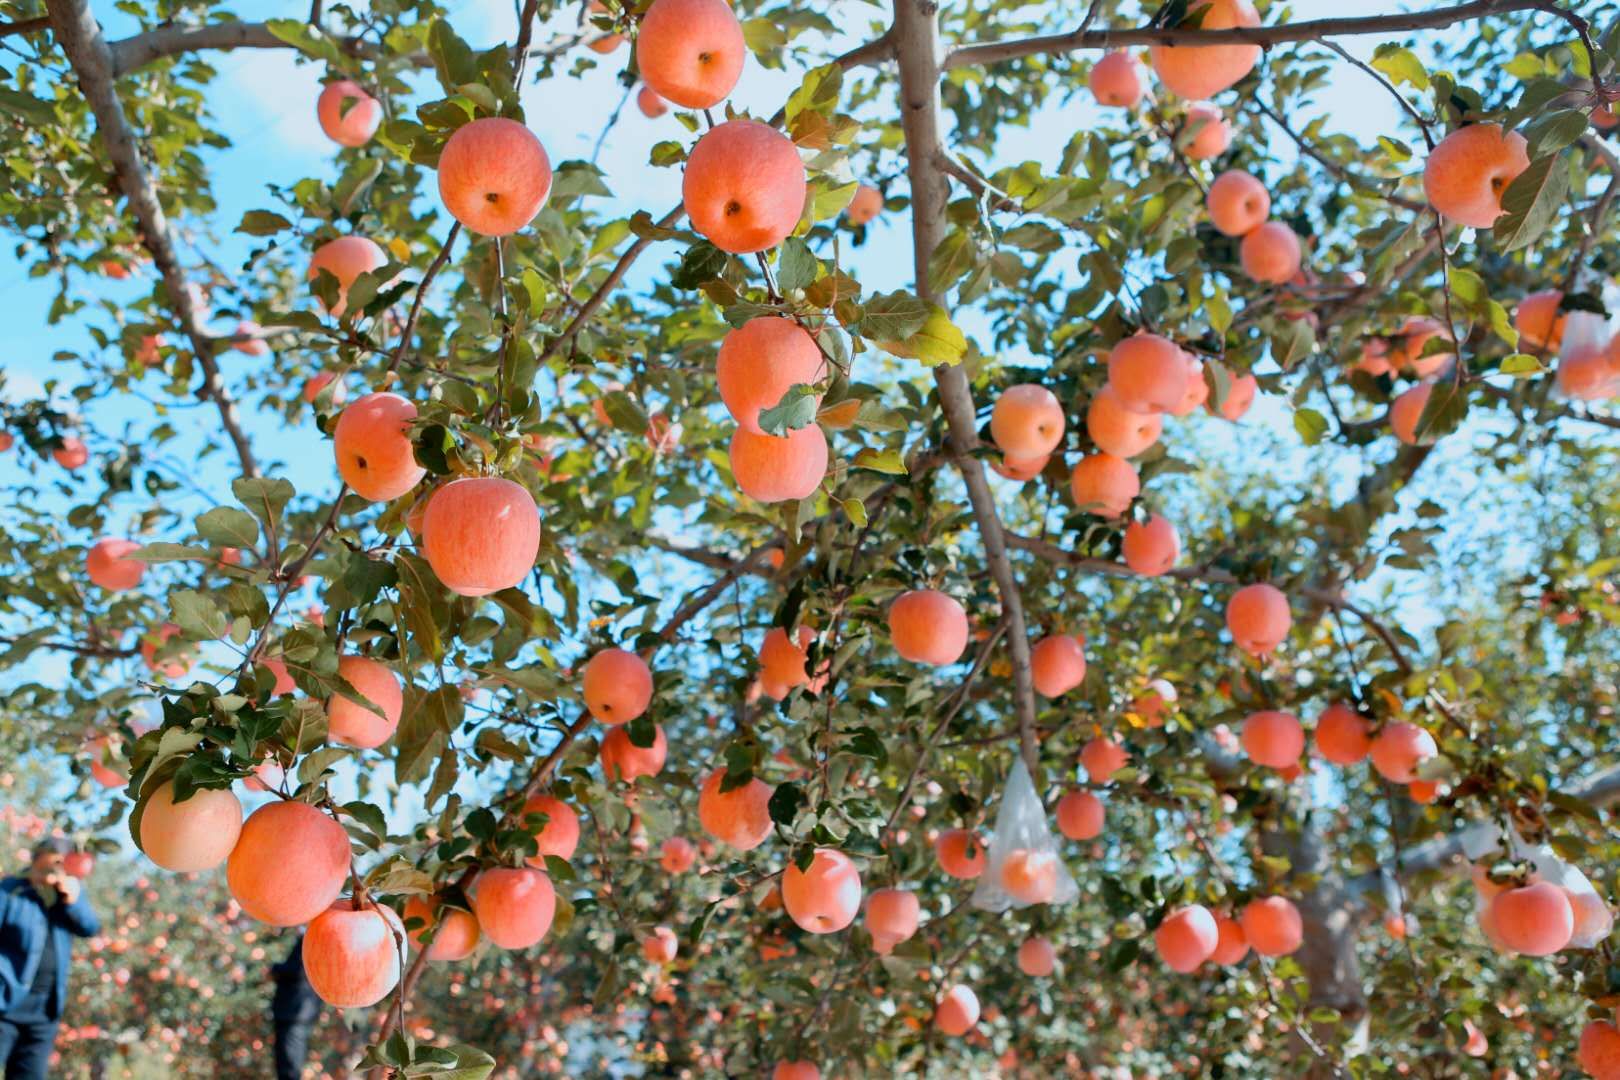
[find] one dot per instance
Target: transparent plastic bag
(1593, 920)
(1585, 367)
(1022, 863)
(1585, 333)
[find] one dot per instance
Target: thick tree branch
(79, 35)
(1599, 790)
(135, 52)
(916, 37)
(25, 26)
(1266, 36)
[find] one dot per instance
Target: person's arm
(72, 908)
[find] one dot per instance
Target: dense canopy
(705, 539)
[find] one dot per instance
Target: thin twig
(433, 269)
(1265, 36)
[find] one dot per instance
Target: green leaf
(265, 497)
(883, 461)
(471, 1063)
(624, 413)
(951, 260)
(1467, 286)
(421, 604)
(355, 183)
(1401, 65)
(1311, 425)
(1443, 413)
(1292, 341)
(933, 340)
(818, 92)
(702, 262)
(1533, 101)
(198, 615)
(453, 59)
(371, 820)
(1531, 203)
(229, 527)
(1521, 365)
(307, 40)
(425, 726)
(796, 266)
(1397, 151)
(262, 223)
(1219, 310)
(27, 107)
(317, 763)
(668, 152)
(1554, 131)
(796, 410)
(643, 225)
(785, 803)
(763, 37)
(828, 200)
(161, 553)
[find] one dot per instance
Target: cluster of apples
(1148, 376)
(288, 862)
(1533, 915)
(744, 189)
(1239, 205)
(1588, 351)
(1188, 936)
(1276, 739)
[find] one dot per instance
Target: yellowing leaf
(840, 416)
(938, 342)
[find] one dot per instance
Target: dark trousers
(25, 1047)
(292, 1046)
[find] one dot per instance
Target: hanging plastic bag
(1586, 369)
(1593, 920)
(1022, 864)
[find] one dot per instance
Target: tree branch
(1265, 36)
(144, 48)
(99, 652)
(25, 26)
(433, 269)
(916, 37)
(609, 283)
(80, 37)
(1359, 183)
(1600, 789)
(957, 700)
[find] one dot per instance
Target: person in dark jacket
(39, 914)
(294, 1008)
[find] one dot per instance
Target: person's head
(47, 856)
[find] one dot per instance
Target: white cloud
(20, 386)
(265, 94)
